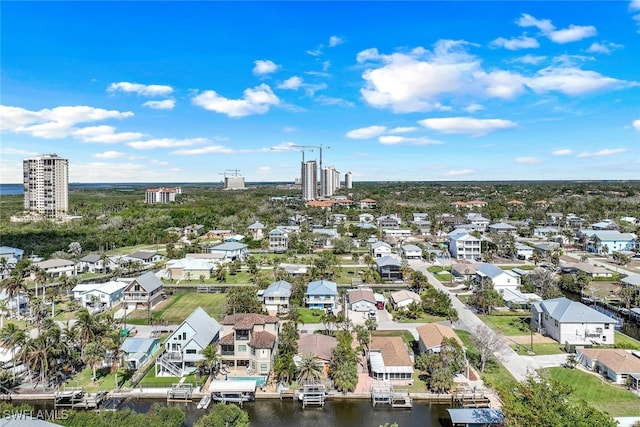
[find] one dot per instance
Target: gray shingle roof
(149, 281)
(567, 311)
(205, 326)
(278, 289)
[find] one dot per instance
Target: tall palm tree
(93, 354)
(88, 327)
(13, 337)
(309, 370)
(210, 359)
(13, 287)
(114, 346)
(37, 357)
(4, 309)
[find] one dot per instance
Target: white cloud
(572, 81)
(405, 129)
(368, 55)
(52, 123)
(203, 150)
(329, 100)
(563, 152)
(634, 5)
(335, 41)
(104, 134)
(140, 89)
(528, 160)
(517, 43)
(256, 100)
(603, 152)
(604, 47)
(467, 125)
(366, 132)
(636, 123)
(263, 67)
(292, 83)
(395, 139)
(473, 108)
(530, 59)
(314, 52)
(108, 155)
(10, 151)
(571, 34)
(166, 143)
(459, 172)
(166, 104)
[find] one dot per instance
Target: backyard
(179, 306)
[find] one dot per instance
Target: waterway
(289, 413)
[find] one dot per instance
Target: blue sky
(418, 91)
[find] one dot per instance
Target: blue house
(613, 240)
(138, 350)
(321, 294)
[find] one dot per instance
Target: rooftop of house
(616, 359)
(243, 321)
(322, 287)
(404, 295)
(393, 349)
(356, 295)
(319, 345)
(149, 281)
(432, 334)
(567, 311)
(278, 289)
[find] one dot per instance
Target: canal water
(289, 413)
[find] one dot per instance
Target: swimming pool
(259, 380)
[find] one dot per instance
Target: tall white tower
(348, 180)
(46, 185)
(331, 181)
(309, 177)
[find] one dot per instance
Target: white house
(99, 295)
(411, 252)
(502, 228)
(189, 268)
(94, 263)
(275, 299)
(502, 279)
(361, 300)
(390, 360)
(615, 364)
(380, 249)
(389, 221)
(430, 337)
(182, 348)
(18, 305)
(463, 245)
(231, 250)
(146, 257)
(572, 322)
(478, 219)
(56, 267)
(403, 298)
(257, 230)
(278, 240)
(523, 251)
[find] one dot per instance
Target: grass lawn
(614, 400)
(105, 380)
(507, 325)
(538, 349)
(424, 318)
(418, 386)
(625, 341)
(179, 306)
(310, 316)
(495, 374)
(150, 380)
(406, 335)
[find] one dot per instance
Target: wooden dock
(386, 395)
(76, 398)
(313, 395)
(180, 392)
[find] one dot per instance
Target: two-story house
(56, 267)
(94, 263)
(278, 240)
(321, 294)
(249, 342)
(99, 295)
(463, 245)
(146, 257)
(572, 322)
(411, 252)
(389, 221)
(380, 249)
(275, 299)
(182, 349)
(144, 291)
(501, 279)
(231, 250)
(257, 230)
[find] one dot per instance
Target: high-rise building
(330, 181)
(309, 178)
(46, 185)
(348, 180)
(161, 195)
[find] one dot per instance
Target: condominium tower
(46, 185)
(348, 180)
(330, 181)
(309, 178)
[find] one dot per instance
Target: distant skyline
(149, 91)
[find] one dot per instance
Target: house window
(242, 348)
(556, 323)
(191, 351)
(253, 351)
(606, 326)
(263, 368)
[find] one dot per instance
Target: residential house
(588, 269)
(380, 249)
(608, 241)
(545, 232)
(463, 245)
(275, 299)
(420, 219)
(231, 250)
(502, 228)
(56, 267)
(99, 296)
(389, 221)
(451, 221)
(367, 204)
(631, 280)
(189, 268)
(146, 257)
(136, 351)
(338, 218)
(523, 251)
(398, 233)
(365, 218)
(401, 299)
(390, 360)
(324, 237)
(554, 218)
(193, 230)
(430, 337)
(463, 272)
(618, 365)
(571, 322)
(249, 341)
(294, 270)
(320, 345)
(514, 299)
(144, 291)
(9, 253)
(217, 234)
(501, 279)
(94, 263)
(361, 299)
(605, 224)
(411, 252)
(476, 219)
(573, 220)
(545, 249)
(321, 294)
(515, 204)
(278, 240)
(182, 349)
(235, 238)
(18, 305)
(541, 204)
(389, 268)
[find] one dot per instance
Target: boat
(204, 402)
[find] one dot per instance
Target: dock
(236, 392)
(76, 398)
(180, 392)
(386, 395)
(313, 395)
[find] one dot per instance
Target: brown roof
(405, 295)
(320, 203)
(262, 339)
(356, 295)
(227, 339)
(432, 334)
(317, 344)
(464, 269)
(367, 200)
(393, 350)
(248, 320)
(618, 360)
(515, 202)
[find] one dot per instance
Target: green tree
(224, 416)
(309, 370)
(210, 359)
(243, 299)
(93, 354)
(485, 297)
(343, 366)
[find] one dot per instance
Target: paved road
(519, 366)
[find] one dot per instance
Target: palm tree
(210, 359)
(13, 287)
(13, 337)
(309, 370)
(87, 327)
(114, 346)
(93, 354)
(4, 309)
(37, 357)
